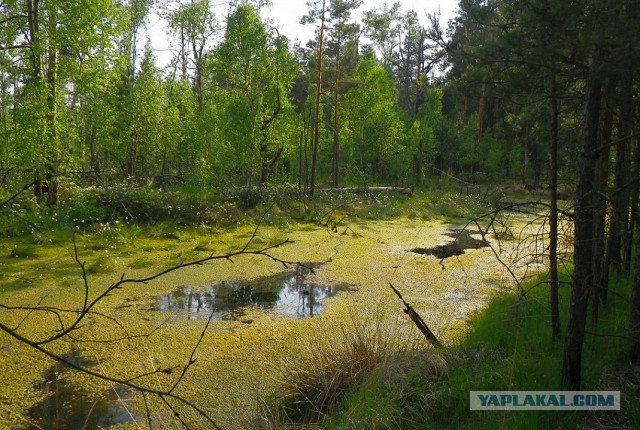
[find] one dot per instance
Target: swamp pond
(265, 316)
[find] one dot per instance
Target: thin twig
(191, 359)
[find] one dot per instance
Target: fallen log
(369, 190)
(417, 320)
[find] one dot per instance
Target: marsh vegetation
(266, 318)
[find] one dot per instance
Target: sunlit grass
(509, 348)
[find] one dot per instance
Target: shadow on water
(68, 406)
(463, 239)
(291, 293)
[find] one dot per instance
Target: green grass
(24, 251)
(509, 348)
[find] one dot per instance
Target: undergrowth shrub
(85, 209)
(24, 215)
(252, 198)
(320, 384)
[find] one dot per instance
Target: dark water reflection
(286, 293)
(463, 240)
(68, 406)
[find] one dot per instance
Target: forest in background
(387, 101)
(540, 92)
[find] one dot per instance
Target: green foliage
(255, 70)
(150, 136)
(146, 204)
(87, 208)
(59, 57)
(373, 128)
(25, 216)
(222, 114)
(195, 19)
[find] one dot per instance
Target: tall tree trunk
(35, 51)
(335, 171)
(419, 162)
(420, 71)
(584, 229)
(553, 215)
(94, 162)
(183, 53)
(482, 107)
(316, 115)
(600, 275)
(5, 129)
(634, 320)
(626, 130)
(33, 17)
(308, 136)
(620, 193)
(197, 82)
(301, 139)
(335, 174)
(52, 161)
(335, 166)
(635, 196)
(525, 161)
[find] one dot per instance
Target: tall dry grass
(317, 384)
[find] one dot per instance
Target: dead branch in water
(417, 319)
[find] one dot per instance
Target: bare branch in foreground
(168, 396)
(531, 247)
(17, 194)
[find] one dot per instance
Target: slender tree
(256, 71)
(342, 43)
(195, 24)
(317, 12)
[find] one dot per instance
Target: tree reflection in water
(292, 293)
(69, 406)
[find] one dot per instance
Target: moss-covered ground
(237, 363)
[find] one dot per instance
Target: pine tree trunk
(316, 115)
(600, 275)
(553, 215)
(584, 222)
(634, 319)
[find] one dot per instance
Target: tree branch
(168, 396)
(417, 320)
(13, 197)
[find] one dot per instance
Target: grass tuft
(24, 252)
(318, 386)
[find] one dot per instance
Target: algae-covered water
(264, 315)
